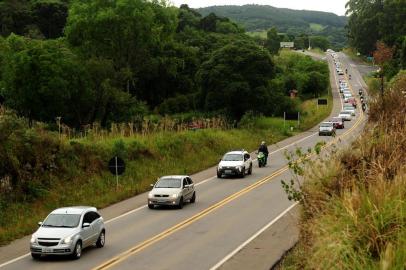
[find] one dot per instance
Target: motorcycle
(261, 159)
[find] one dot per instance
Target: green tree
(44, 79)
(320, 42)
(236, 79)
(50, 17)
(129, 32)
(273, 41)
(15, 16)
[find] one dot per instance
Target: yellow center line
(126, 254)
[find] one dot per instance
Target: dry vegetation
(355, 211)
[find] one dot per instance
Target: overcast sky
(335, 6)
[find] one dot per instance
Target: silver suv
(66, 231)
(172, 190)
(235, 163)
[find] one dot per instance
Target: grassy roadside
(354, 212)
(356, 58)
(54, 173)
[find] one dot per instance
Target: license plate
(47, 250)
(227, 171)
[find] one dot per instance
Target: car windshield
(168, 183)
(326, 124)
(336, 119)
(233, 157)
(349, 108)
(62, 220)
(344, 112)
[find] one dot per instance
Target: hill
(257, 18)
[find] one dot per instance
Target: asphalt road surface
(227, 212)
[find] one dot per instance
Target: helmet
(263, 143)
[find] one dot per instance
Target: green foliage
(273, 41)
(33, 18)
(236, 78)
(121, 59)
(320, 42)
(292, 22)
(372, 21)
(310, 78)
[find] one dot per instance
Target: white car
(235, 163)
(347, 97)
(327, 128)
(66, 231)
(172, 190)
(346, 115)
(350, 109)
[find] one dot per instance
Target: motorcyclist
(264, 149)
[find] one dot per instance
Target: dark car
(338, 122)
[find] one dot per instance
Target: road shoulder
(259, 254)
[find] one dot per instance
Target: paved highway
(227, 212)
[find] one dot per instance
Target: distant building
(287, 45)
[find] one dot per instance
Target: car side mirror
(151, 185)
(86, 225)
(40, 224)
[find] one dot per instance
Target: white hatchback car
(172, 190)
(235, 163)
(346, 115)
(66, 231)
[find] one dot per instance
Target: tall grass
(40, 170)
(355, 212)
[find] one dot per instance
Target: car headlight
(150, 195)
(67, 240)
(220, 167)
(33, 239)
(239, 168)
(174, 195)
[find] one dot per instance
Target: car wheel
(101, 240)
(77, 251)
(151, 206)
(250, 170)
(219, 175)
(180, 205)
(193, 199)
(36, 256)
(243, 173)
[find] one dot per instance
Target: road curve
(227, 213)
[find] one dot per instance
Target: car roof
(237, 152)
(74, 210)
(173, 177)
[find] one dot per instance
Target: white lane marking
(14, 260)
(235, 251)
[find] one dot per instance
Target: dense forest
(114, 61)
(291, 22)
(384, 21)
